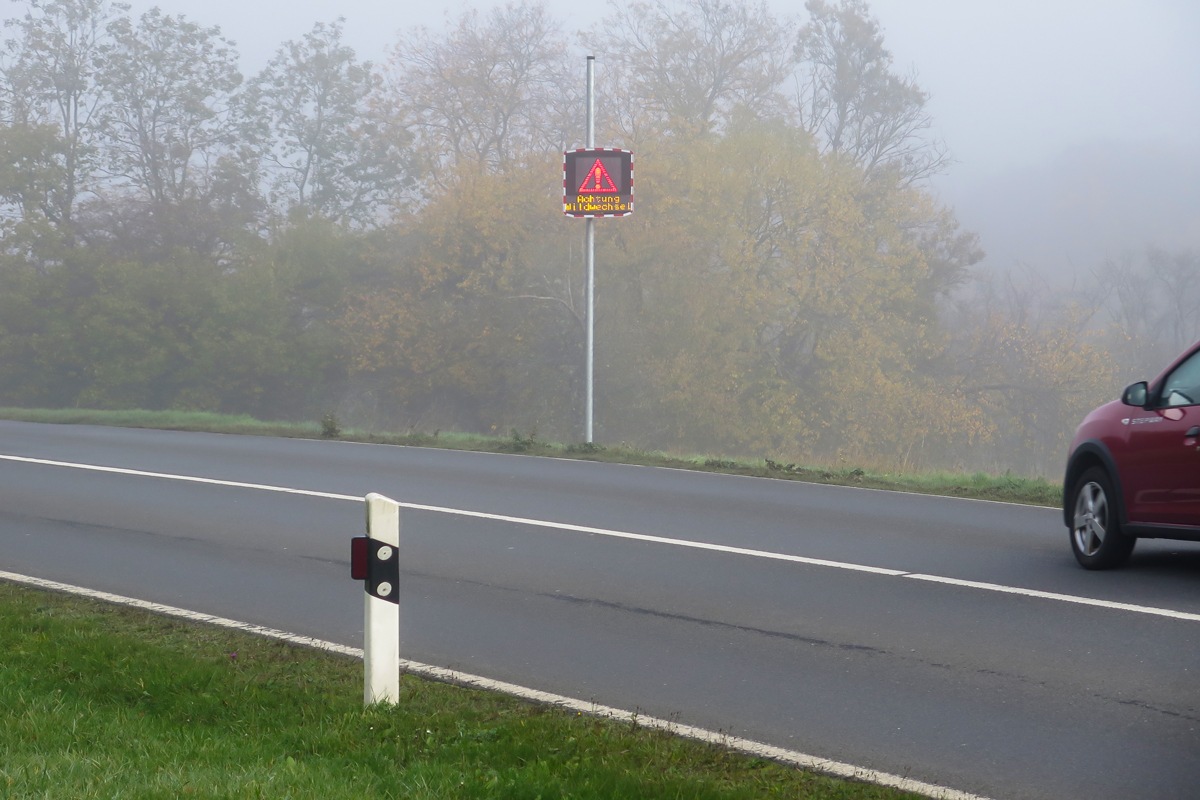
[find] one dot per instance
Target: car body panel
(1151, 453)
(1161, 464)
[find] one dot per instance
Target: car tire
(1096, 536)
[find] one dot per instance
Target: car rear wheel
(1096, 536)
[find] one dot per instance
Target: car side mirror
(1136, 394)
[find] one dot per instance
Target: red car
(1134, 468)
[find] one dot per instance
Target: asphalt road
(999, 682)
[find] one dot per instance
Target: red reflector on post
(360, 556)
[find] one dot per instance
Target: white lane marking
(172, 477)
(748, 746)
(1062, 598)
(562, 526)
(644, 537)
(641, 537)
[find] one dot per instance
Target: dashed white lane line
(642, 537)
(748, 746)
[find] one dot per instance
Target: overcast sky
(1011, 81)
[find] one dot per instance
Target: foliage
(385, 246)
(169, 137)
(522, 443)
(796, 303)
(1148, 307)
(169, 82)
(334, 155)
(31, 174)
(1031, 371)
(852, 100)
(487, 94)
(456, 335)
(685, 67)
(330, 428)
(183, 333)
(52, 74)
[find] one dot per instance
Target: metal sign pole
(589, 248)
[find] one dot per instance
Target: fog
(1071, 123)
(941, 258)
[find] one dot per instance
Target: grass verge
(979, 485)
(103, 701)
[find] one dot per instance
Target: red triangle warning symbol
(598, 181)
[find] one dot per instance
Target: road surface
(952, 641)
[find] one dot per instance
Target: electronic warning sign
(597, 182)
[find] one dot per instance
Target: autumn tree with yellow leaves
(778, 304)
(788, 287)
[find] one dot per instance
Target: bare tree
(851, 99)
(172, 114)
(1151, 306)
(690, 64)
(53, 76)
(488, 93)
(172, 141)
(331, 151)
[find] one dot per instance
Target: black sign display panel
(597, 182)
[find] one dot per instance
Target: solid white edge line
(748, 746)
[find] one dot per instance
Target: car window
(1182, 386)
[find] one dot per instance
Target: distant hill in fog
(1089, 204)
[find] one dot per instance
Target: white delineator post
(381, 610)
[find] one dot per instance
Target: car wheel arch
(1092, 453)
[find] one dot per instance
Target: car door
(1162, 473)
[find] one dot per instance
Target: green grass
(983, 486)
(103, 701)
